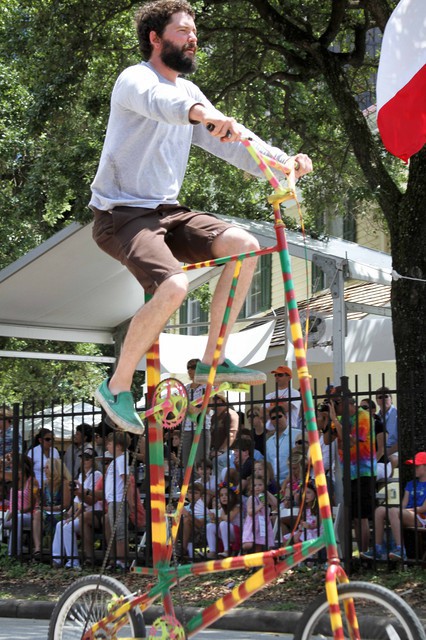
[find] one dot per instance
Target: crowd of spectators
(251, 489)
(64, 498)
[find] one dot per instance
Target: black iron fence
(76, 492)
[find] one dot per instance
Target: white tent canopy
(67, 289)
(63, 420)
(243, 348)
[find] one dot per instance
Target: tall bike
(96, 607)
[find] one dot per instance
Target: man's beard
(175, 58)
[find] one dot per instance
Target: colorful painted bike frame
(170, 403)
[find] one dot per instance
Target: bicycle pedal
(281, 195)
(238, 387)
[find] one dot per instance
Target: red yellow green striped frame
(270, 564)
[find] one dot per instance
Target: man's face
(282, 380)
(384, 400)
(279, 420)
(190, 367)
(179, 44)
(338, 403)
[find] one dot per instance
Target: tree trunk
(408, 233)
(406, 217)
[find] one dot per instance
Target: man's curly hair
(155, 16)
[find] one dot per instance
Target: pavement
(239, 619)
(243, 619)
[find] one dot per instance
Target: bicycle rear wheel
(87, 601)
(381, 615)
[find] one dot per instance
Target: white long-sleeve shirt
(148, 141)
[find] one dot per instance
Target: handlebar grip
(210, 127)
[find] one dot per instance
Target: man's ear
(154, 39)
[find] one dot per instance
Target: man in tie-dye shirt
(363, 465)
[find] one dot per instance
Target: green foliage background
(292, 71)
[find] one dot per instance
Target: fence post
(15, 480)
(347, 506)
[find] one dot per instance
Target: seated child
(226, 526)
(257, 527)
(194, 517)
(204, 470)
(309, 526)
(413, 508)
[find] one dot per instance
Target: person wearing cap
(195, 391)
(65, 539)
(283, 376)
(81, 439)
(363, 464)
(413, 509)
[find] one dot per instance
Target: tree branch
(337, 15)
(379, 9)
(288, 27)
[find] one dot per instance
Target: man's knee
(175, 288)
(234, 240)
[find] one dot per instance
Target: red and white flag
(401, 80)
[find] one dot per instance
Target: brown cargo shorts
(151, 243)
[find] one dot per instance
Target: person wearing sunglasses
(42, 451)
(280, 444)
(389, 415)
(283, 390)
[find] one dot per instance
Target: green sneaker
(120, 408)
(229, 372)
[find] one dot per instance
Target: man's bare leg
(145, 327)
(114, 396)
(231, 241)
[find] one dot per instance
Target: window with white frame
(258, 298)
(192, 314)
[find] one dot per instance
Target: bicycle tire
(391, 617)
(91, 595)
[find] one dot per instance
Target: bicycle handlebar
(290, 173)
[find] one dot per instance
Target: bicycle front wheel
(87, 601)
(381, 615)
